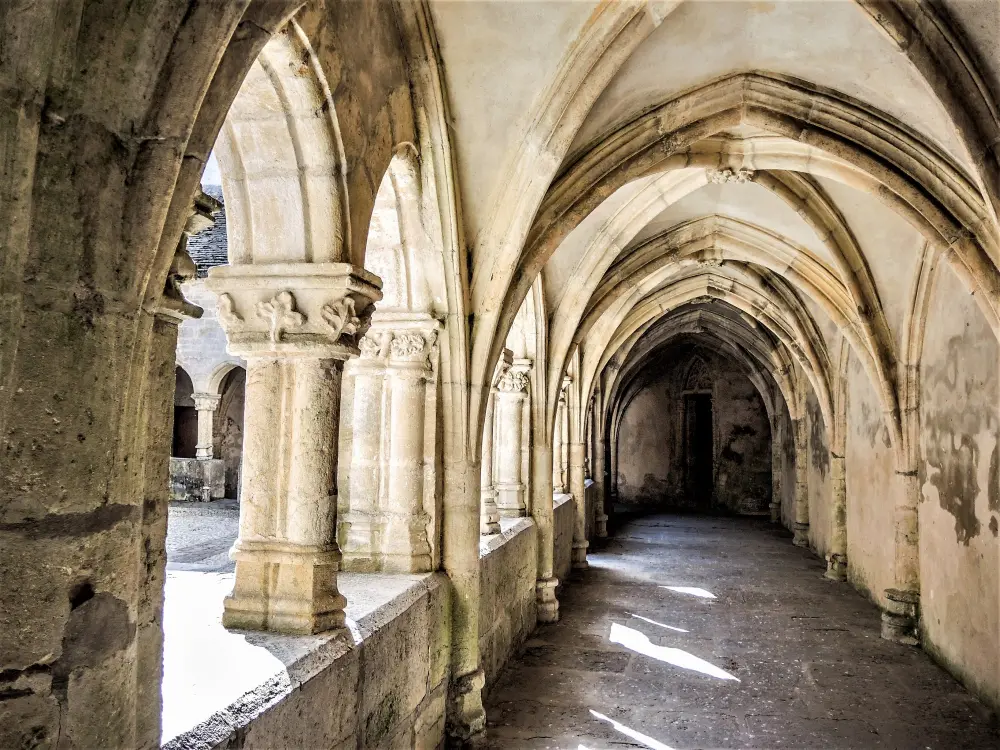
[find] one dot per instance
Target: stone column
(577, 480)
(801, 529)
(511, 396)
(901, 611)
(295, 324)
(490, 520)
(836, 564)
(360, 528)
(406, 546)
(206, 404)
(777, 466)
(557, 449)
(563, 416)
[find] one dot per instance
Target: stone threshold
(217, 681)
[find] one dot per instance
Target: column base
(466, 717)
(284, 589)
(836, 567)
(601, 526)
(360, 537)
(901, 617)
(489, 520)
(801, 537)
(547, 606)
(580, 555)
(510, 501)
(775, 512)
(406, 547)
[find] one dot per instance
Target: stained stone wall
(507, 567)
(959, 474)
(650, 439)
(872, 488)
(820, 510)
(563, 521)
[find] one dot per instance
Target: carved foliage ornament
(340, 317)
(721, 176)
(513, 381)
(280, 314)
(227, 313)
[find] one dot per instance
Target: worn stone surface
(812, 669)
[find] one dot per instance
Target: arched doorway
(229, 427)
(185, 417)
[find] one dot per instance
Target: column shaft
(490, 515)
(509, 416)
(577, 482)
(406, 545)
(286, 554)
(777, 467)
(557, 449)
(543, 513)
(600, 516)
(361, 527)
(206, 404)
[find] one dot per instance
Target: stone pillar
(295, 324)
(490, 517)
(510, 399)
(600, 517)
(801, 529)
(777, 466)
(206, 404)
(901, 611)
(836, 564)
(542, 510)
(557, 449)
(406, 546)
(159, 401)
(563, 456)
(360, 528)
(577, 480)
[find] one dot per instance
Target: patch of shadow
(98, 627)
(817, 438)
(993, 526)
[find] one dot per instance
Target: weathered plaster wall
(959, 473)
(508, 566)
(787, 470)
(651, 438)
(563, 513)
(820, 506)
(388, 690)
(872, 488)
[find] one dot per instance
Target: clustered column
(901, 612)
(777, 466)
(409, 369)
(490, 514)
(360, 530)
(295, 324)
(510, 400)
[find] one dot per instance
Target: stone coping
(561, 499)
(217, 681)
(509, 528)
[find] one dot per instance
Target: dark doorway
(699, 479)
(185, 418)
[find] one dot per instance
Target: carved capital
(206, 401)
(373, 345)
(514, 380)
(294, 309)
(412, 346)
(722, 176)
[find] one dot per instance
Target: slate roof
(209, 247)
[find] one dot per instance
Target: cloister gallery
(502, 373)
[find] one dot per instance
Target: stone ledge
(218, 682)
(509, 528)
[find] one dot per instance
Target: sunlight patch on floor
(640, 643)
(654, 622)
(643, 739)
(692, 590)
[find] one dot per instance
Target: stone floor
(751, 649)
